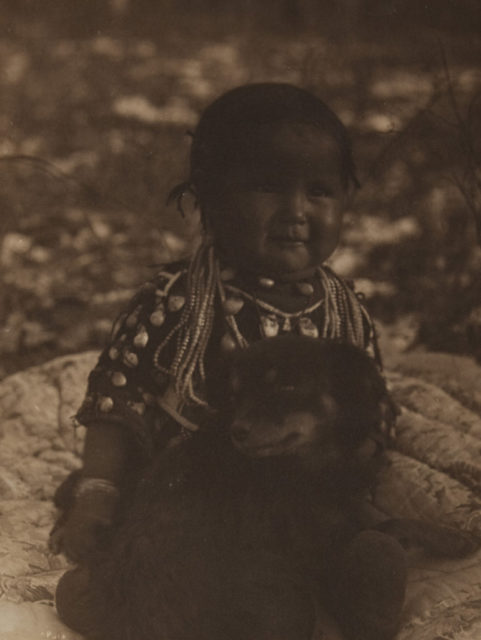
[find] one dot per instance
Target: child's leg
(370, 594)
(264, 599)
(74, 602)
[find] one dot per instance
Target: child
(271, 170)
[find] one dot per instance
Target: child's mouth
(289, 240)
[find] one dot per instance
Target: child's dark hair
(226, 126)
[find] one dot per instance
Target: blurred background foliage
(96, 101)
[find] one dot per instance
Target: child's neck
(290, 292)
(296, 276)
(251, 276)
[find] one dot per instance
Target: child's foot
(74, 602)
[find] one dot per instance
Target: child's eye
(318, 191)
(266, 187)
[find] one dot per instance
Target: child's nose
(294, 207)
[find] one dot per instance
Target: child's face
(279, 209)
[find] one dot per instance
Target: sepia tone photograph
(240, 320)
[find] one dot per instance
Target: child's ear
(184, 195)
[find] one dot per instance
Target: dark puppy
(248, 531)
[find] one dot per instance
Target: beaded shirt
(132, 384)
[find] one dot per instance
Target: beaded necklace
(344, 319)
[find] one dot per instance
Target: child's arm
(121, 414)
(96, 493)
(104, 452)
(366, 338)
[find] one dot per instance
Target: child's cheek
(325, 236)
(252, 217)
(332, 217)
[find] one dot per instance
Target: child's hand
(90, 517)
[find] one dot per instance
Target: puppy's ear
(359, 390)
(223, 380)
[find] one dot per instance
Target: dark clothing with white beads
(131, 385)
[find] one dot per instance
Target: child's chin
(285, 266)
(278, 263)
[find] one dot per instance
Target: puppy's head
(291, 394)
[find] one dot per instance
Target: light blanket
(435, 473)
